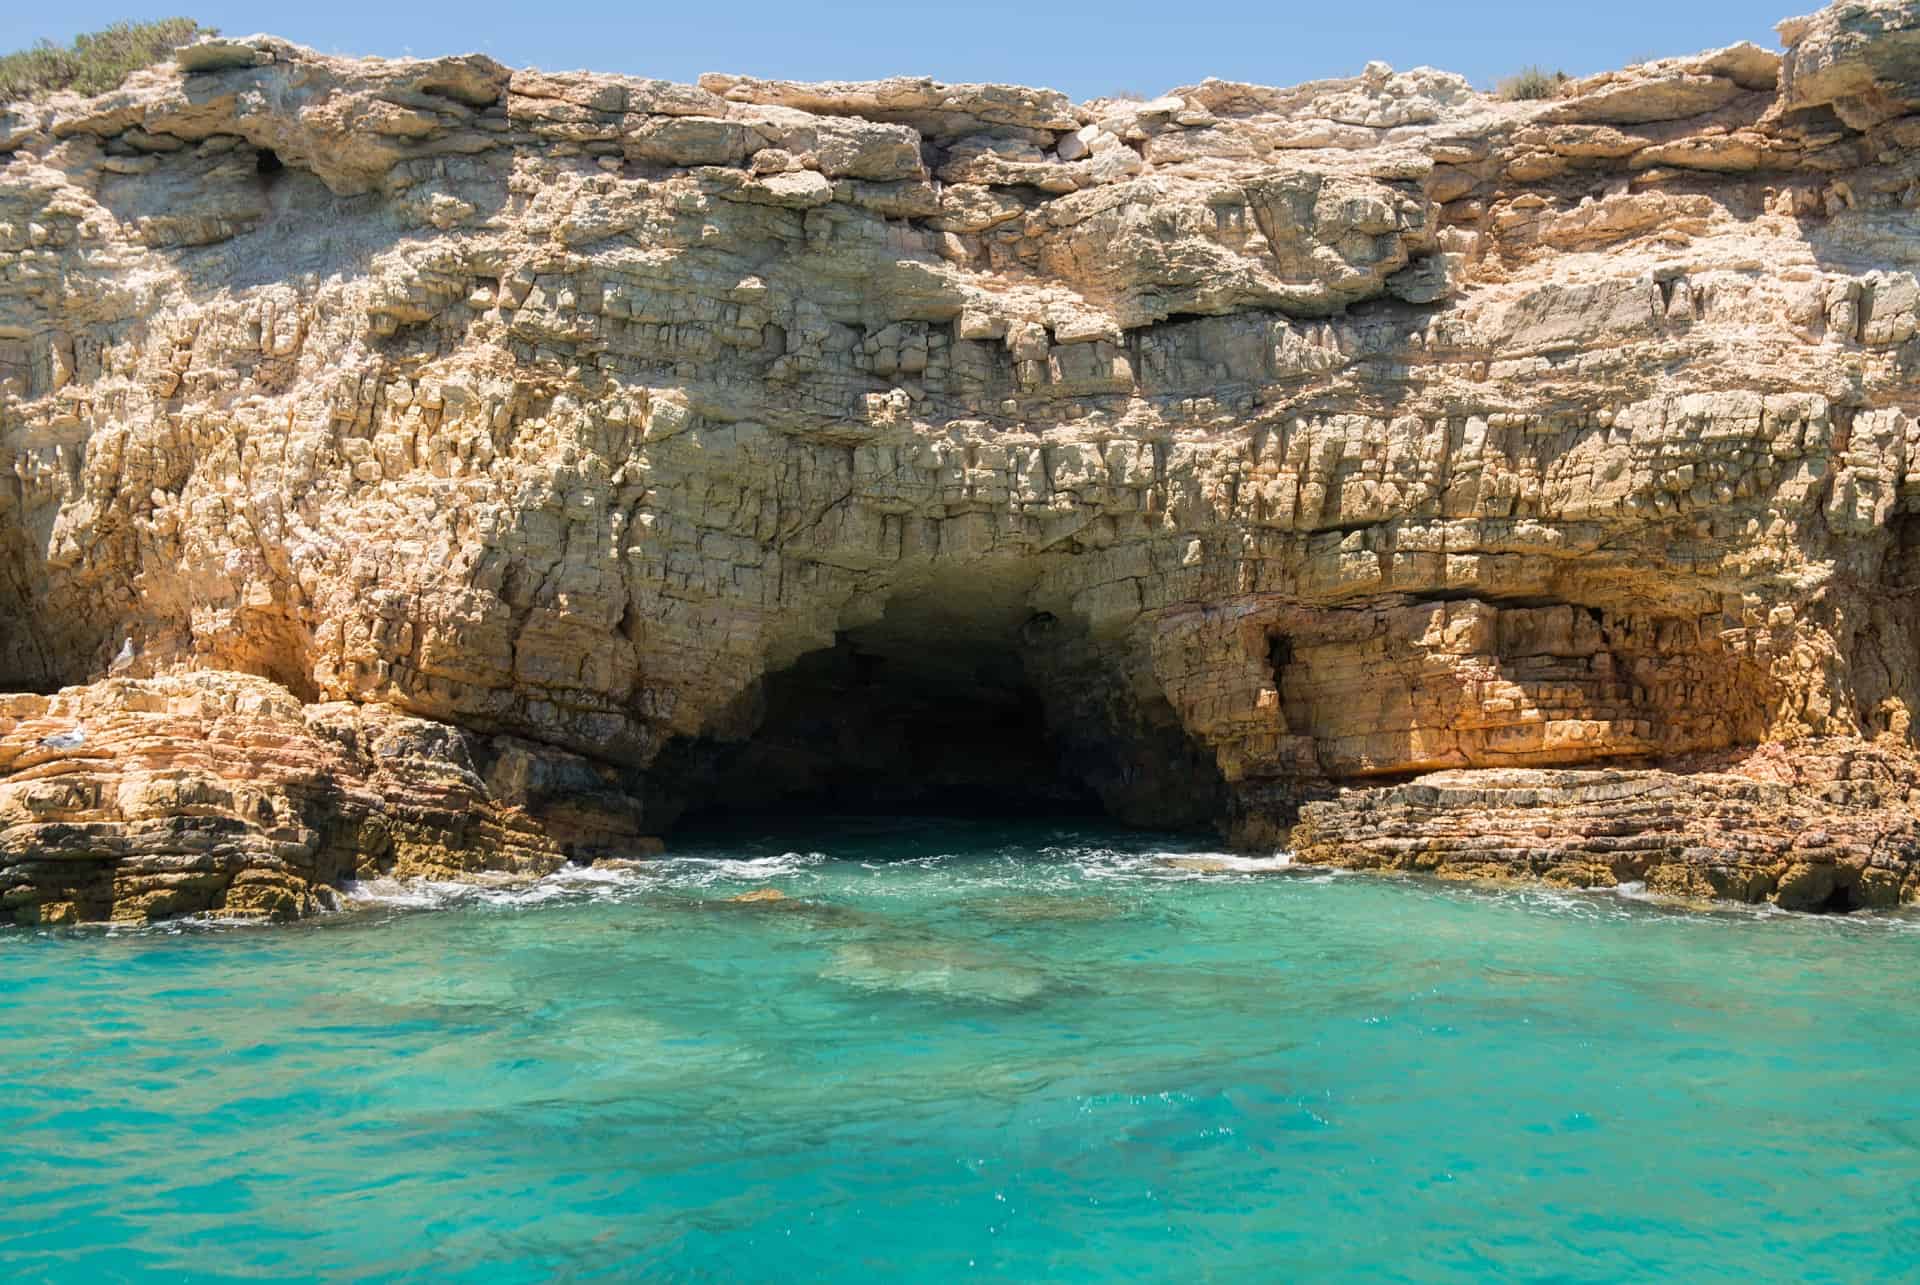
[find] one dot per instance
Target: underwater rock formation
(431, 466)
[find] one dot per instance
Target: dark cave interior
(928, 710)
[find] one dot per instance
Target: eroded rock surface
(1835, 830)
(199, 792)
(610, 442)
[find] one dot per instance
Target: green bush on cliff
(97, 61)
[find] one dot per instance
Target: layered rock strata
(204, 792)
(426, 466)
(1833, 831)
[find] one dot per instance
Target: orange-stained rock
(219, 793)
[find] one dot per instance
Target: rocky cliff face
(427, 466)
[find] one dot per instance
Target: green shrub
(98, 61)
(1532, 82)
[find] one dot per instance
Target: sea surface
(963, 1051)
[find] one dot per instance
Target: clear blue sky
(1082, 48)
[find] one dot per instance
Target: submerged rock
(1058, 907)
(770, 905)
(936, 968)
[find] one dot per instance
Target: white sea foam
(1237, 863)
(578, 883)
(621, 876)
(1105, 863)
(702, 871)
(575, 883)
(406, 894)
(187, 924)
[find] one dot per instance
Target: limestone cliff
(427, 466)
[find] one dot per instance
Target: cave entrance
(1843, 900)
(928, 710)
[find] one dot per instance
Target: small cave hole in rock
(267, 164)
(1900, 572)
(1279, 654)
(928, 711)
(1841, 901)
(1290, 681)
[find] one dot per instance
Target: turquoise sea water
(962, 1052)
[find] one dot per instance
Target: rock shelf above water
(425, 467)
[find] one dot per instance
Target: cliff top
(1377, 106)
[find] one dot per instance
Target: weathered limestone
(151, 798)
(613, 442)
(1836, 830)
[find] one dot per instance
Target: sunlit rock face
(1202, 457)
